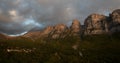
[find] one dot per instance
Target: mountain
(94, 24)
(115, 21)
(88, 43)
(75, 27)
(100, 24)
(2, 36)
(6, 37)
(57, 31)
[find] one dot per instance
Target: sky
(20, 16)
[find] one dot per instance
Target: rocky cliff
(115, 21)
(96, 24)
(93, 24)
(100, 24)
(57, 31)
(75, 27)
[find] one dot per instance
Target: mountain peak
(115, 24)
(75, 27)
(76, 21)
(94, 24)
(116, 11)
(60, 27)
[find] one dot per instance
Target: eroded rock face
(31, 34)
(75, 27)
(115, 17)
(60, 28)
(59, 31)
(96, 24)
(39, 34)
(48, 30)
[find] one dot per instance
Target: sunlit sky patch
(31, 22)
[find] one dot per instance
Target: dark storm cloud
(17, 16)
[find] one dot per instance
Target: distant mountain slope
(57, 31)
(94, 24)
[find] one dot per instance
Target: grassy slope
(92, 49)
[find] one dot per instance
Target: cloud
(18, 16)
(4, 18)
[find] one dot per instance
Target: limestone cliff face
(35, 34)
(47, 31)
(75, 27)
(96, 24)
(116, 16)
(59, 31)
(115, 24)
(39, 34)
(99, 24)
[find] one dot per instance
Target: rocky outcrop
(35, 34)
(96, 24)
(99, 24)
(47, 31)
(115, 18)
(59, 31)
(40, 34)
(75, 27)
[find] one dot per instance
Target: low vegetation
(89, 49)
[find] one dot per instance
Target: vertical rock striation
(115, 18)
(75, 27)
(96, 24)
